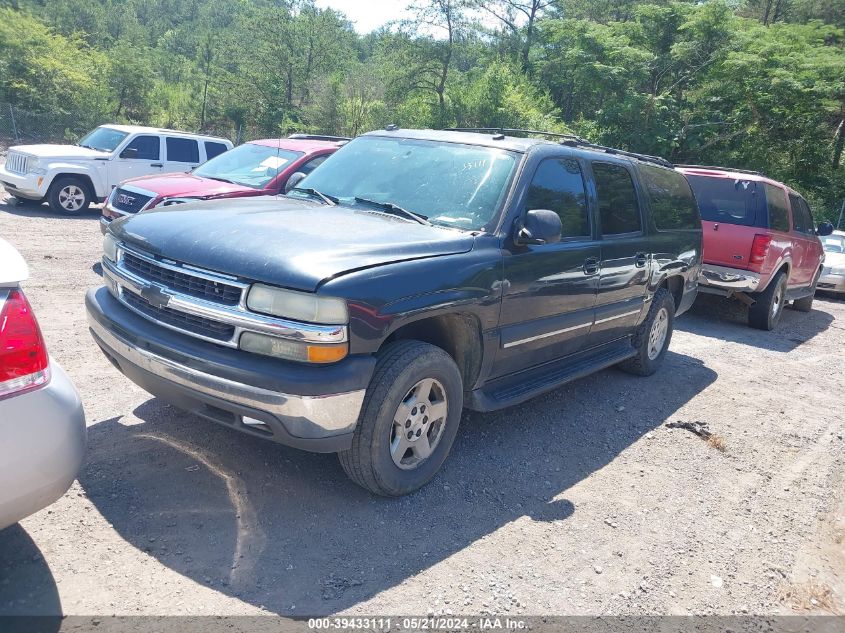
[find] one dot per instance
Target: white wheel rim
(71, 198)
(777, 302)
(657, 335)
(418, 424)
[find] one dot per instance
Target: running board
(516, 388)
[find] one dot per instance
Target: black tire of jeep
(400, 367)
(643, 364)
(805, 304)
(61, 184)
(762, 315)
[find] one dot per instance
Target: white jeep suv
(71, 177)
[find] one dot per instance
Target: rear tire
(768, 307)
(69, 196)
(397, 448)
(652, 337)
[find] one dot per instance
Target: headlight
(837, 270)
(110, 247)
(298, 306)
(292, 350)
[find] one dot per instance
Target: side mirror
(129, 152)
(825, 228)
(541, 226)
(295, 178)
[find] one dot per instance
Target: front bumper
(830, 282)
(723, 278)
(314, 408)
(42, 446)
(29, 186)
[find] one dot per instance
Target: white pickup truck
(71, 177)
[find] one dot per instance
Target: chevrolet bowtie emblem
(155, 296)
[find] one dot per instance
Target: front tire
(408, 421)
(766, 312)
(69, 196)
(652, 337)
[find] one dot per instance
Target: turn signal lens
(326, 353)
(291, 350)
(24, 363)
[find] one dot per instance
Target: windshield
(104, 139)
(834, 245)
(450, 184)
(249, 165)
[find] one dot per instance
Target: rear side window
(727, 200)
(673, 206)
(149, 147)
(183, 150)
(559, 186)
(213, 149)
(778, 211)
(617, 197)
(798, 219)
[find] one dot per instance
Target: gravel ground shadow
(26, 582)
(286, 530)
(35, 210)
(726, 319)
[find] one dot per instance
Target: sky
(367, 15)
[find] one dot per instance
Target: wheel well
(83, 177)
(459, 335)
(675, 286)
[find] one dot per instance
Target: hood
(13, 268)
(834, 259)
(188, 185)
(59, 151)
(291, 243)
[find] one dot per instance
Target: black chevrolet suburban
(414, 273)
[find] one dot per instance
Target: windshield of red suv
(249, 165)
(449, 183)
(104, 139)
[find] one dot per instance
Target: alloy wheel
(418, 424)
(657, 335)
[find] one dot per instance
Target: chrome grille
(17, 163)
(128, 201)
(181, 320)
(184, 282)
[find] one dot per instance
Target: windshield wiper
(96, 149)
(329, 200)
(231, 182)
(395, 210)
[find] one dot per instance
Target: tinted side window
(559, 186)
(798, 219)
(312, 164)
(618, 206)
(149, 147)
(809, 223)
(672, 203)
(778, 211)
(213, 149)
(183, 150)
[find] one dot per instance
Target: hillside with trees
(757, 84)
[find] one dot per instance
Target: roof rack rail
(739, 171)
(319, 137)
(512, 131)
(568, 139)
(657, 160)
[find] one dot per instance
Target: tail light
(24, 363)
(759, 249)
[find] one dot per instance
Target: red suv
(760, 243)
(257, 168)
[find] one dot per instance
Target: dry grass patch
(717, 442)
(808, 596)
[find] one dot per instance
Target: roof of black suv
(494, 138)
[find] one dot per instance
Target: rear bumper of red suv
(725, 279)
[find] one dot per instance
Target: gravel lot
(579, 502)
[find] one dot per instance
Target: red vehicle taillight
(759, 249)
(24, 363)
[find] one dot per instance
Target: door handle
(156, 165)
(642, 260)
(591, 265)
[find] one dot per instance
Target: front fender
(97, 175)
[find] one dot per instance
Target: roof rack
(739, 171)
(320, 137)
(567, 139)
